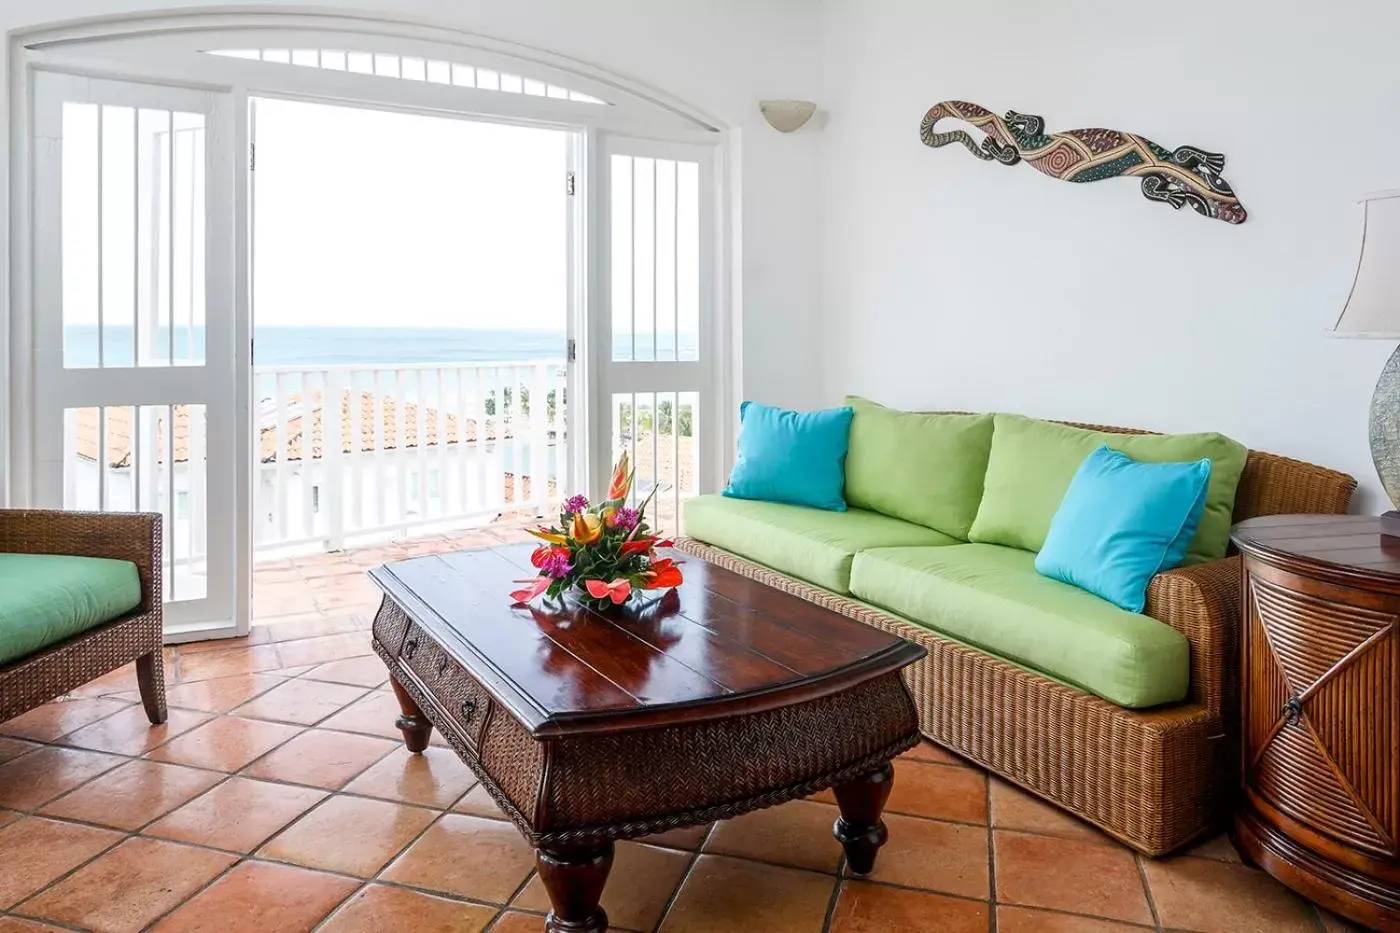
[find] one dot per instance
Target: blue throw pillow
(790, 456)
(1122, 522)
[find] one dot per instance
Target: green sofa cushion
(990, 597)
(809, 544)
(923, 468)
(46, 598)
(1032, 463)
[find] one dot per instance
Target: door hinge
(569, 184)
(252, 156)
(573, 349)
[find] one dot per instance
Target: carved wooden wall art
(1182, 177)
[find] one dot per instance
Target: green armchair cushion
(923, 468)
(46, 598)
(1032, 463)
(810, 544)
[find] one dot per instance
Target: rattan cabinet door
(1320, 718)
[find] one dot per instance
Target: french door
(653, 321)
(134, 355)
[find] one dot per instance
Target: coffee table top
(719, 645)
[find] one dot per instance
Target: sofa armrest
(1202, 602)
(133, 536)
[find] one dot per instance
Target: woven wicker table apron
(721, 697)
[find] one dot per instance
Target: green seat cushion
(923, 468)
(810, 544)
(45, 598)
(991, 598)
(1032, 463)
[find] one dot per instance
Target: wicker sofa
(95, 646)
(1155, 778)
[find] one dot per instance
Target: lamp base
(1384, 428)
(1390, 529)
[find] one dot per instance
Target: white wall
(954, 283)
(722, 56)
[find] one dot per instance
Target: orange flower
(586, 528)
(617, 591)
(621, 479)
(663, 573)
(544, 534)
(637, 546)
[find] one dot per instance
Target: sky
(370, 218)
(362, 218)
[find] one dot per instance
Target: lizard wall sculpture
(1183, 177)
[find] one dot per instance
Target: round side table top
(1335, 545)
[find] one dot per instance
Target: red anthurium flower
(637, 546)
(536, 587)
(664, 573)
(542, 553)
(617, 591)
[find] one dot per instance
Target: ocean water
(330, 346)
(327, 346)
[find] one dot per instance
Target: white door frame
(167, 380)
(169, 47)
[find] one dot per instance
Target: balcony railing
(346, 452)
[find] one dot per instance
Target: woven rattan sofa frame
(1156, 779)
(136, 636)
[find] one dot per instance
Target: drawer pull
(442, 666)
(468, 710)
(410, 649)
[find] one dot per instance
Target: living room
(808, 715)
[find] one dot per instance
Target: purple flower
(625, 519)
(575, 504)
(556, 565)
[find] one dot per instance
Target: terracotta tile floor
(275, 801)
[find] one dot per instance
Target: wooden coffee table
(719, 698)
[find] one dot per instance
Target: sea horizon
(311, 346)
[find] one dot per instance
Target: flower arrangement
(606, 551)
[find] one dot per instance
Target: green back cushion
(45, 598)
(922, 468)
(1032, 463)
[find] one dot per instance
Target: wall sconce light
(787, 115)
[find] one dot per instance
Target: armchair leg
(150, 678)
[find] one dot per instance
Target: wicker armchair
(136, 636)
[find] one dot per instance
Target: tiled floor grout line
(835, 895)
(1147, 891)
(991, 861)
(685, 876)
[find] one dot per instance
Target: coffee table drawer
(465, 700)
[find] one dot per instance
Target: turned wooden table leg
(574, 878)
(860, 830)
(413, 724)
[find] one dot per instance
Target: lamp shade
(1373, 307)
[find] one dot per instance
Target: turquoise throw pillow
(790, 456)
(1121, 523)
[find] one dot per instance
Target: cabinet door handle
(468, 710)
(410, 649)
(1293, 709)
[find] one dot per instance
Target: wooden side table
(1320, 708)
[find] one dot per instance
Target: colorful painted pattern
(1183, 177)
